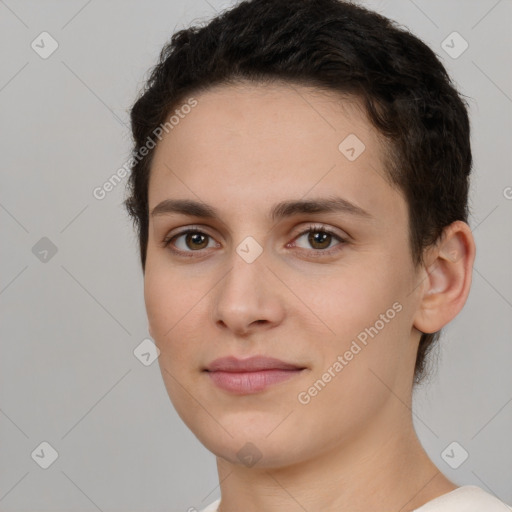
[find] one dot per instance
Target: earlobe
(447, 278)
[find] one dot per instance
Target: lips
(252, 364)
(252, 375)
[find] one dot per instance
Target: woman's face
(332, 293)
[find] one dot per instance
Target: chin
(255, 449)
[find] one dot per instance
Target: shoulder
(212, 507)
(468, 498)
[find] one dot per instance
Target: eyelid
(322, 227)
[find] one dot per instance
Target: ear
(446, 278)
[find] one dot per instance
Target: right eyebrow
(185, 207)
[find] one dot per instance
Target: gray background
(70, 324)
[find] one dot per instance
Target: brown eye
(188, 241)
(320, 240)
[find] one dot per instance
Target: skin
(353, 447)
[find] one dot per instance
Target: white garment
(467, 498)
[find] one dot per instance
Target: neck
(383, 468)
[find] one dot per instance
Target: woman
(299, 186)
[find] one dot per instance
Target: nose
(247, 299)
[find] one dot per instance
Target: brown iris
(199, 240)
(319, 237)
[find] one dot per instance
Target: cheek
(348, 299)
(176, 316)
(357, 313)
(166, 303)
(359, 364)
(175, 306)
(164, 293)
(158, 299)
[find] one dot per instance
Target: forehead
(247, 145)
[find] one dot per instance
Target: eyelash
(314, 228)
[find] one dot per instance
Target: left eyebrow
(322, 205)
(278, 211)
